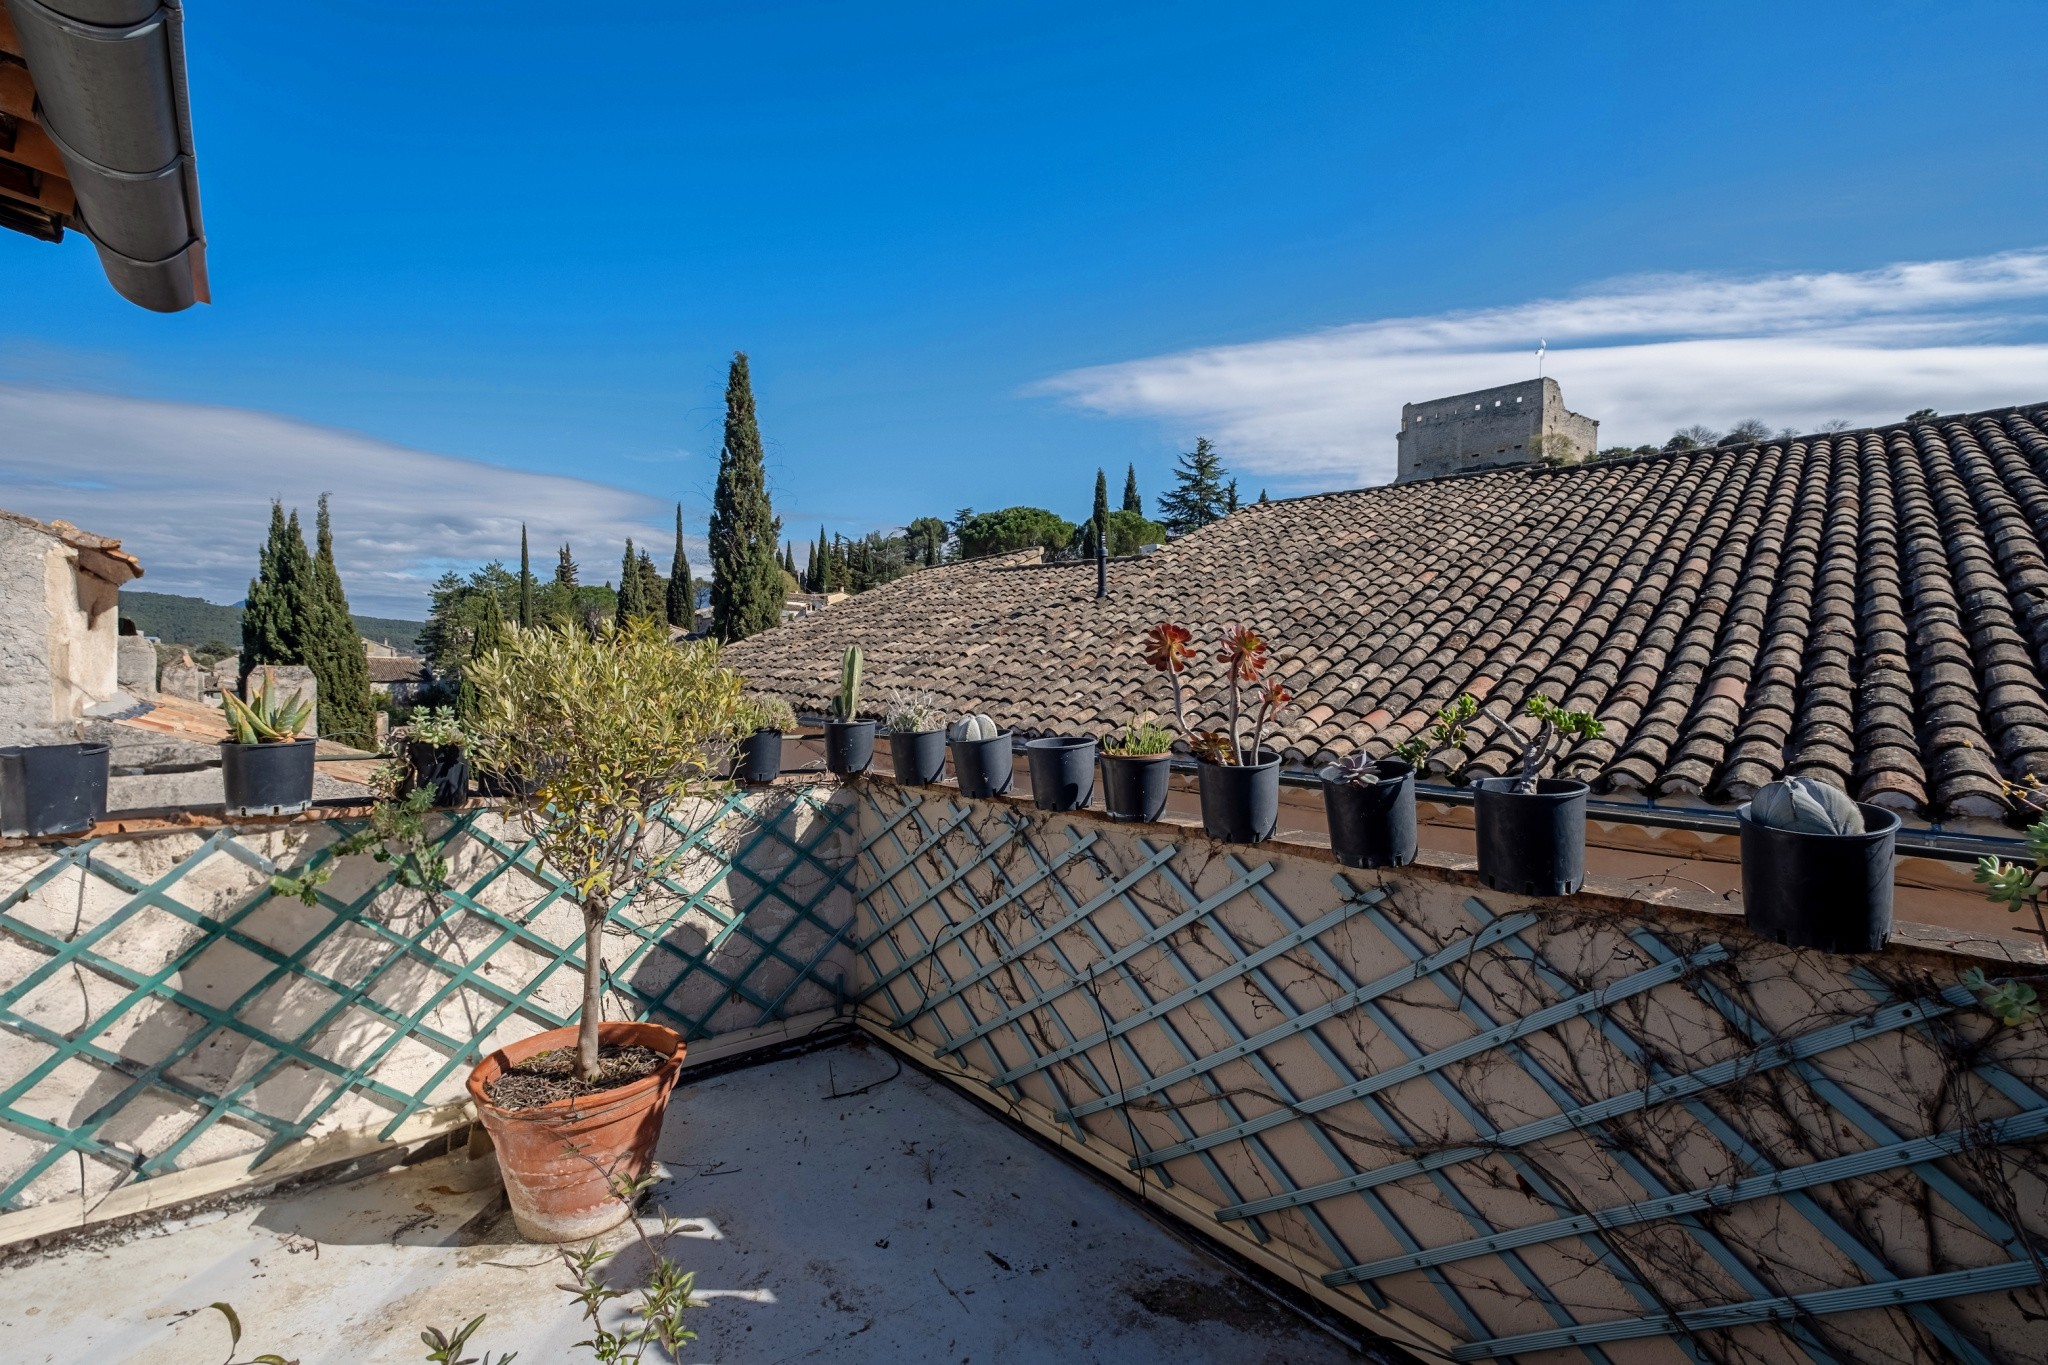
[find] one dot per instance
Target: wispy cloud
(1643, 355)
(188, 488)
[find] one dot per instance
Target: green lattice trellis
(742, 928)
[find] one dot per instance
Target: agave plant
(266, 718)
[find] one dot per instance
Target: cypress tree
(525, 582)
(565, 568)
(490, 633)
(653, 587)
(629, 589)
(746, 583)
(347, 706)
(269, 633)
(1262, 495)
(1132, 502)
(681, 599)
(1230, 497)
(822, 578)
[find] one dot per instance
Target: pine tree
(565, 569)
(629, 588)
(525, 582)
(747, 590)
(1132, 502)
(1198, 495)
(681, 599)
(335, 651)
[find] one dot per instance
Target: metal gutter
(112, 95)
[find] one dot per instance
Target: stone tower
(1513, 424)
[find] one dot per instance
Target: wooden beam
(10, 41)
(17, 91)
(55, 194)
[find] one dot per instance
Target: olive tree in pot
(1238, 775)
(1531, 829)
(605, 730)
(1136, 763)
(1370, 807)
(917, 738)
(982, 761)
(265, 767)
(437, 756)
(1817, 867)
(50, 789)
(849, 743)
(763, 723)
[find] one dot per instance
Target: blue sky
(976, 251)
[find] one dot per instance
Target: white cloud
(188, 489)
(1644, 356)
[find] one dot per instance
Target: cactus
(976, 726)
(1807, 806)
(848, 701)
(913, 713)
(264, 718)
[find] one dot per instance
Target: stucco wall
(59, 645)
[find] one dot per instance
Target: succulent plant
(976, 726)
(1807, 806)
(266, 718)
(1139, 739)
(847, 703)
(1356, 770)
(758, 714)
(436, 725)
(913, 713)
(1248, 659)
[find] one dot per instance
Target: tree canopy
(1013, 528)
(1199, 494)
(747, 586)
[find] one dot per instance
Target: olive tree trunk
(593, 989)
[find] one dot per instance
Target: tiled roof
(1867, 607)
(387, 668)
(100, 555)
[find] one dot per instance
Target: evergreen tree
(1132, 502)
(823, 581)
(1262, 495)
(653, 587)
(525, 582)
(629, 588)
(490, 633)
(681, 599)
(1198, 496)
(1230, 497)
(335, 651)
(1098, 519)
(747, 590)
(275, 606)
(565, 569)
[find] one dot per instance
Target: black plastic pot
(849, 746)
(919, 757)
(1531, 843)
(1241, 804)
(760, 758)
(1062, 771)
(51, 788)
(982, 767)
(1826, 891)
(442, 769)
(267, 779)
(1373, 826)
(1134, 786)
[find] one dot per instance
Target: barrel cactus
(976, 726)
(1806, 806)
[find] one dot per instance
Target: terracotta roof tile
(1869, 608)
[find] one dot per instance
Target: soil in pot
(1373, 825)
(919, 758)
(1135, 786)
(52, 788)
(760, 758)
(560, 1158)
(1241, 802)
(1531, 843)
(549, 1076)
(983, 767)
(442, 769)
(1827, 891)
(1062, 772)
(267, 779)
(849, 746)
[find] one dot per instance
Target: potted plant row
(1239, 777)
(764, 720)
(266, 767)
(50, 789)
(917, 738)
(849, 741)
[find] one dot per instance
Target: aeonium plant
(1248, 661)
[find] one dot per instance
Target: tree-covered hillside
(194, 621)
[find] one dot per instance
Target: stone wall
(1508, 425)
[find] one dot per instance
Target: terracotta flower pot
(558, 1160)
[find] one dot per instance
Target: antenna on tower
(1541, 347)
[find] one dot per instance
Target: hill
(179, 620)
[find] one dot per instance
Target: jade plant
(1805, 806)
(1253, 702)
(913, 713)
(1557, 729)
(266, 718)
(847, 704)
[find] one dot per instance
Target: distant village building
(1513, 424)
(60, 646)
(400, 677)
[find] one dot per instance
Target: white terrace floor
(901, 1224)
